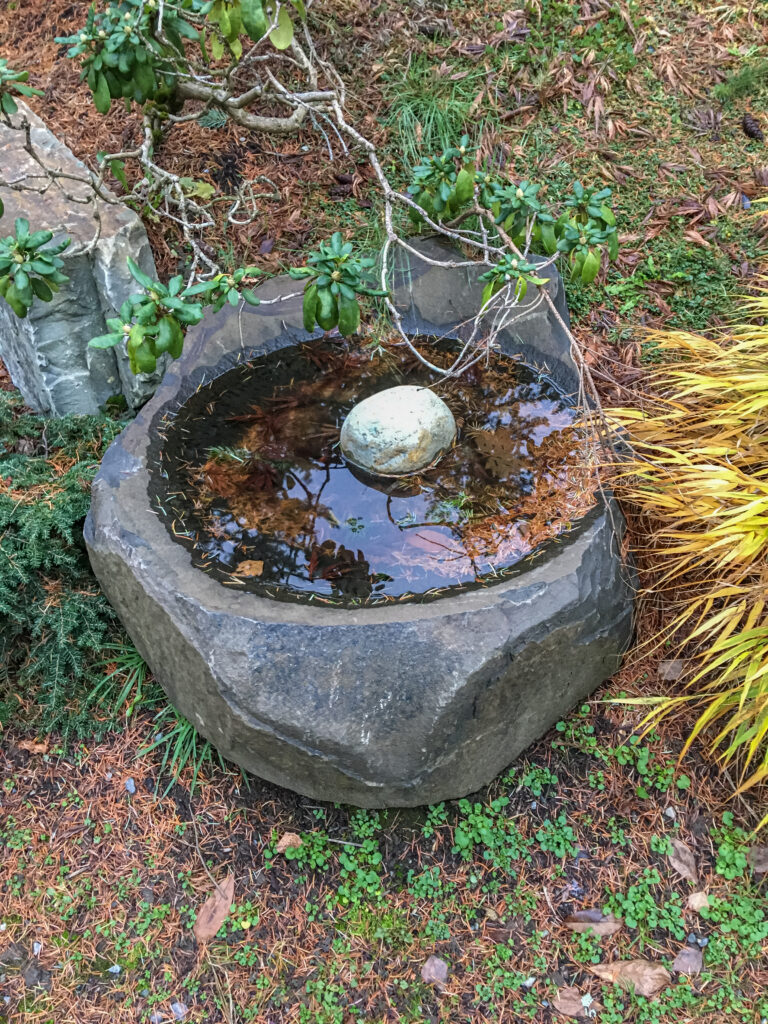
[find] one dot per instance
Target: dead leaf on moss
(570, 1002)
(758, 859)
(688, 961)
(435, 972)
(594, 921)
(214, 911)
(697, 901)
(642, 977)
(683, 861)
(286, 840)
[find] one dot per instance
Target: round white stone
(398, 431)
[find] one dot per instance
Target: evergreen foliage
(54, 620)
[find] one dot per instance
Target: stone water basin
(382, 680)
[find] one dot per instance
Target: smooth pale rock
(47, 353)
(398, 431)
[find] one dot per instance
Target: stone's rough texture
(396, 705)
(397, 431)
(47, 353)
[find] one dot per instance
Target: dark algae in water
(252, 481)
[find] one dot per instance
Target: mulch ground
(102, 878)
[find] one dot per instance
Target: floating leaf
(249, 568)
(214, 911)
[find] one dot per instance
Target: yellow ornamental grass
(695, 485)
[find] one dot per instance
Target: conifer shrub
(54, 619)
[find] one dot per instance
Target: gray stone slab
(383, 706)
(47, 353)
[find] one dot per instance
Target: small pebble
(130, 785)
(692, 939)
(108, 775)
(179, 1011)
(156, 1018)
(703, 941)
(114, 969)
(36, 948)
(670, 812)
(529, 982)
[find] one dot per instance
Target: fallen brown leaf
(288, 839)
(33, 748)
(639, 976)
(697, 239)
(758, 859)
(214, 911)
(697, 901)
(688, 961)
(683, 861)
(435, 972)
(671, 670)
(570, 1002)
(593, 921)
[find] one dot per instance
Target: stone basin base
(385, 706)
